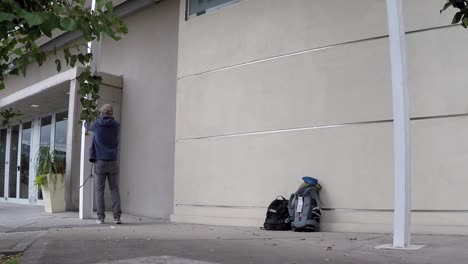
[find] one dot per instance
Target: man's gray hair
(106, 110)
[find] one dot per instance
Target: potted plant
(50, 178)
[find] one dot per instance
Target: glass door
(44, 138)
(60, 135)
(18, 158)
(13, 162)
(25, 158)
(3, 141)
(19, 146)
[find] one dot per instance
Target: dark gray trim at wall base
(321, 127)
(324, 209)
(310, 50)
(391, 210)
(123, 10)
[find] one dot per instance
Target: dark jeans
(109, 170)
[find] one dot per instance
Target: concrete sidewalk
(63, 238)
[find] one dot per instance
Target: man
(103, 153)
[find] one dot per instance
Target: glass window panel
(46, 125)
(198, 7)
(3, 135)
(25, 157)
(13, 161)
(60, 141)
(44, 139)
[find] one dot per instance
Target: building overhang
(60, 93)
(49, 95)
(123, 8)
(42, 97)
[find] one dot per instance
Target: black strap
(284, 199)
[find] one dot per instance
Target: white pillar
(402, 151)
(86, 182)
(94, 47)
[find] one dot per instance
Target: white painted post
(401, 126)
(94, 47)
(87, 189)
(87, 183)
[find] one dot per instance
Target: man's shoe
(100, 221)
(118, 221)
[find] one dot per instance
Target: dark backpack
(305, 211)
(277, 216)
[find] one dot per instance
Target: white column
(402, 153)
(77, 158)
(95, 47)
(86, 182)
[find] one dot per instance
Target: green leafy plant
(50, 168)
(461, 15)
(89, 93)
(41, 181)
(10, 259)
(9, 114)
(23, 23)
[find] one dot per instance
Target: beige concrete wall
(146, 58)
(269, 92)
(257, 29)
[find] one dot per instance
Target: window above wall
(200, 7)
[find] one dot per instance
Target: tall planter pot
(54, 194)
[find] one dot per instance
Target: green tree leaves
(9, 114)
(458, 16)
(59, 64)
(100, 4)
(461, 15)
(447, 5)
(6, 17)
(89, 92)
(33, 19)
(22, 23)
(68, 24)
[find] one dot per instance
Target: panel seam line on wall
(308, 51)
(319, 127)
